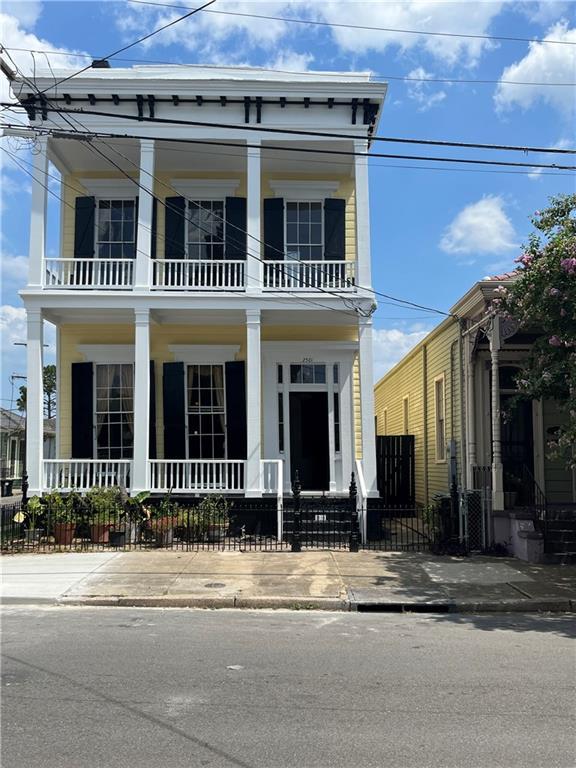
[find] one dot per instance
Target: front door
(309, 450)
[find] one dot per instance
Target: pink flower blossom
(554, 292)
(555, 341)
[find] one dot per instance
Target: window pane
(316, 212)
(296, 374)
(320, 374)
(307, 374)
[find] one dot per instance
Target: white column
(363, 265)
(37, 251)
(34, 400)
(139, 478)
(347, 431)
(497, 469)
(145, 206)
(254, 267)
(253, 475)
(367, 404)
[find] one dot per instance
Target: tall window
(304, 237)
(116, 229)
(439, 406)
(206, 412)
(114, 411)
(205, 224)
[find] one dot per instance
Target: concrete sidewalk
(364, 581)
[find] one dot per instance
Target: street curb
(529, 605)
(248, 603)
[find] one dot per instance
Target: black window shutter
(236, 409)
(174, 411)
(152, 438)
(334, 229)
(154, 227)
(235, 228)
(175, 227)
(84, 222)
(82, 411)
(274, 228)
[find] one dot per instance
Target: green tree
(49, 377)
(543, 298)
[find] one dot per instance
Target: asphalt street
(168, 688)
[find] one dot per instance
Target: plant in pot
(62, 517)
(105, 508)
(163, 520)
(214, 512)
(134, 513)
(31, 516)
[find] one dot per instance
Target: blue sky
(434, 232)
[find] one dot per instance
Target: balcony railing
(185, 275)
(309, 275)
(83, 474)
(208, 476)
(95, 274)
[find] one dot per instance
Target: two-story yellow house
(212, 292)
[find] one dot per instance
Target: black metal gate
(395, 470)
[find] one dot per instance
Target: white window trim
(439, 459)
(205, 189)
(111, 189)
(204, 354)
(103, 354)
(187, 413)
(320, 245)
(304, 191)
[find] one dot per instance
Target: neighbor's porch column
(497, 469)
(470, 408)
(37, 251)
(254, 267)
(139, 478)
(34, 400)
(363, 266)
(253, 474)
(367, 404)
(145, 208)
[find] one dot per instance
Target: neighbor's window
(114, 411)
(206, 412)
(440, 419)
(116, 229)
(304, 236)
(308, 374)
(205, 229)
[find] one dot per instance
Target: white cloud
(546, 12)
(27, 12)
(560, 144)
(544, 62)
(420, 91)
(390, 345)
(480, 228)
(14, 269)
(12, 324)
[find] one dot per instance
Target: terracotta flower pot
(64, 533)
(100, 533)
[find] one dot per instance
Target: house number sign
(307, 360)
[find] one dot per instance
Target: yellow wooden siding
(413, 377)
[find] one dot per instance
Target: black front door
(309, 451)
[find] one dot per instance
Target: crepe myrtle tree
(543, 297)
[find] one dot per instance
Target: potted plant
(31, 516)
(163, 520)
(104, 510)
(133, 515)
(213, 510)
(62, 515)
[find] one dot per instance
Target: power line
(370, 29)
(316, 134)
(312, 73)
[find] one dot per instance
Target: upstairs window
(205, 230)
(116, 229)
(304, 232)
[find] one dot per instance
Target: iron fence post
(297, 520)
(24, 489)
(354, 525)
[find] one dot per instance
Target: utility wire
(317, 134)
(363, 27)
(310, 73)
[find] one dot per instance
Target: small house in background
(454, 394)
(13, 444)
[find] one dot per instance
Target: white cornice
(304, 190)
(107, 353)
(204, 353)
(205, 189)
(110, 188)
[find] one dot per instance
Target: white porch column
(34, 400)
(497, 469)
(253, 475)
(139, 479)
(145, 207)
(254, 267)
(363, 265)
(37, 250)
(367, 404)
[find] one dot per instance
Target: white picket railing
(208, 476)
(97, 274)
(196, 275)
(309, 275)
(83, 474)
(273, 482)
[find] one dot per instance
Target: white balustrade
(209, 476)
(196, 275)
(273, 482)
(83, 474)
(309, 275)
(95, 274)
